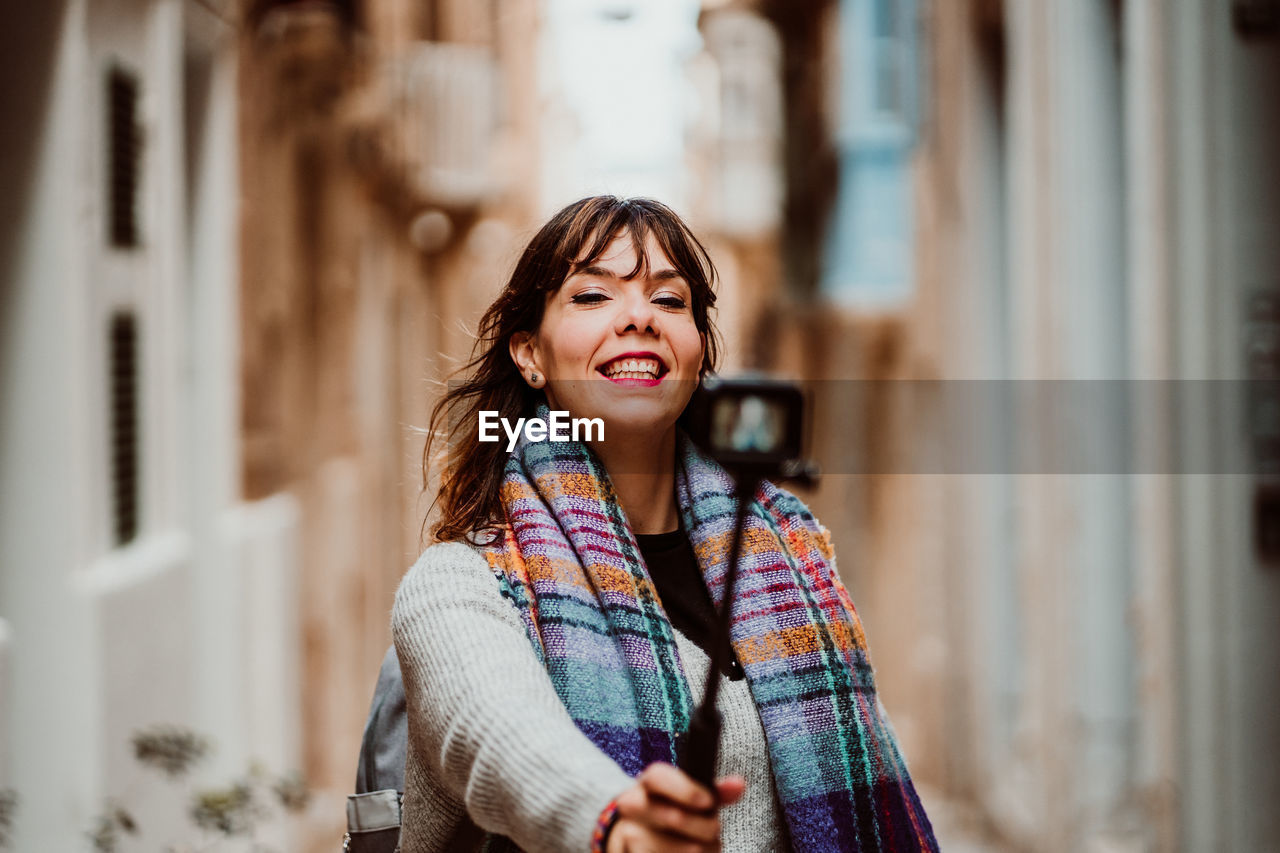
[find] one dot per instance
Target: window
(868, 257)
(122, 384)
(123, 152)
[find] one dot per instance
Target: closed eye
(589, 298)
(671, 302)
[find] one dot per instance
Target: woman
(552, 642)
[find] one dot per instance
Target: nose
(636, 314)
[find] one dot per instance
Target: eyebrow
(601, 272)
(597, 272)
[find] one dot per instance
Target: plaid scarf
(569, 562)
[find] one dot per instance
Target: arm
(483, 713)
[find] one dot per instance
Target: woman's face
(624, 350)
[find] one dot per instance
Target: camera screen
(748, 424)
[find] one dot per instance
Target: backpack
(373, 811)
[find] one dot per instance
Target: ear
(522, 352)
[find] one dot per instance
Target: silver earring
(533, 378)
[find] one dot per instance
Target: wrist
(604, 824)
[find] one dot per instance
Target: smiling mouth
(644, 369)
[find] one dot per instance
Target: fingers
(663, 815)
(667, 810)
(629, 836)
(673, 784)
(703, 827)
(730, 789)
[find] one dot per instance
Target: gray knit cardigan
(491, 747)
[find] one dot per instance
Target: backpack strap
(373, 812)
(385, 744)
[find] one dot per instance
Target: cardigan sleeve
(484, 717)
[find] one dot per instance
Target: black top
(675, 573)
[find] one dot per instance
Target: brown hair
(575, 237)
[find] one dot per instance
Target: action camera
(752, 424)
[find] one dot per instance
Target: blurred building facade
(1086, 657)
(383, 146)
(138, 586)
(236, 243)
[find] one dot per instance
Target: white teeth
(633, 368)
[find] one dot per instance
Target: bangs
(602, 236)
(600, 221)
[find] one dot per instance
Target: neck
(642, 470)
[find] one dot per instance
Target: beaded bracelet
(608, 818)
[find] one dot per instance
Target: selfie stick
(702, 743)
(777, 456)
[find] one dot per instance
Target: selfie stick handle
(702, 743)
(698, 757)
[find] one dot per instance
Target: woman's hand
(666, 810)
